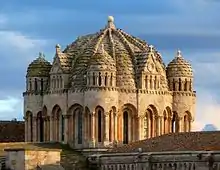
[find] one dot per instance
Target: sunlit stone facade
(107, 88)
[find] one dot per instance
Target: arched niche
(187, 118)
(57, 119)
(175, 122)
(76, 116)
(100, 123)
(167, 116)
(29, 121)
(46, 124)
(151, 115)
(112, 123)
(129, 123)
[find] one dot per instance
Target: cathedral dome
(117, 48)
(179, 67)
(40, 67)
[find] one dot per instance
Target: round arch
(100, 126)
(75, 122)
(58, 120)
(187, 119)
(29, 130)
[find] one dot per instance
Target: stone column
(26, 128)
(180, 121)
(139, 128)
(48, 128)
(149, 124)
(112, 126)
(45, 129)
(106, 133)
(66, 129)
(190, 126)
(162, 126)
(51, 128)
(115, 128)
(34, 129)
(92, 142)
(153, 126)
(158, 125)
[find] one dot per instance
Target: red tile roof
(12, 131)
(192, 141)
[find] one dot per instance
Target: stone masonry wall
(158, 161)
(30, 159)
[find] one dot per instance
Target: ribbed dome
(40, 67)
(179, 67)
(101, 61)
(119, 47)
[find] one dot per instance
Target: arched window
(63, 128)
(106, 76)
(155, 82)
(35, 84)
(40, 127)
(99, 126)
(31, 126)
(125, 127)
(185, 85)
(93, 79)
(79, 115)
(175, 127)
(42, 85)
(30, 85)
(180, 85)
(174, 85)
(100, 79)
(111, 80)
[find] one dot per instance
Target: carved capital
(106, 114)
(92, 114)
(35, 118)
(66, 116)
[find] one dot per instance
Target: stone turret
(180, 74)
(38, 74)
(180, 78)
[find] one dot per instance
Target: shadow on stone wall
(50, 167)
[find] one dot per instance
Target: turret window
(100, 79)
(35, 84)
(42, 84)
(111, 79)
(174, 85)
(30, 85)
(180, 85)
(106, 76)
(93, 79)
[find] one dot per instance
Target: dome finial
(41, 55)
(111, 22)
(179, 54)
(58, 48)
(151, 48)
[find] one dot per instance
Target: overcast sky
(28, 27)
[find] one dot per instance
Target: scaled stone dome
(40, 67)
(179, 67)
(112, 47)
